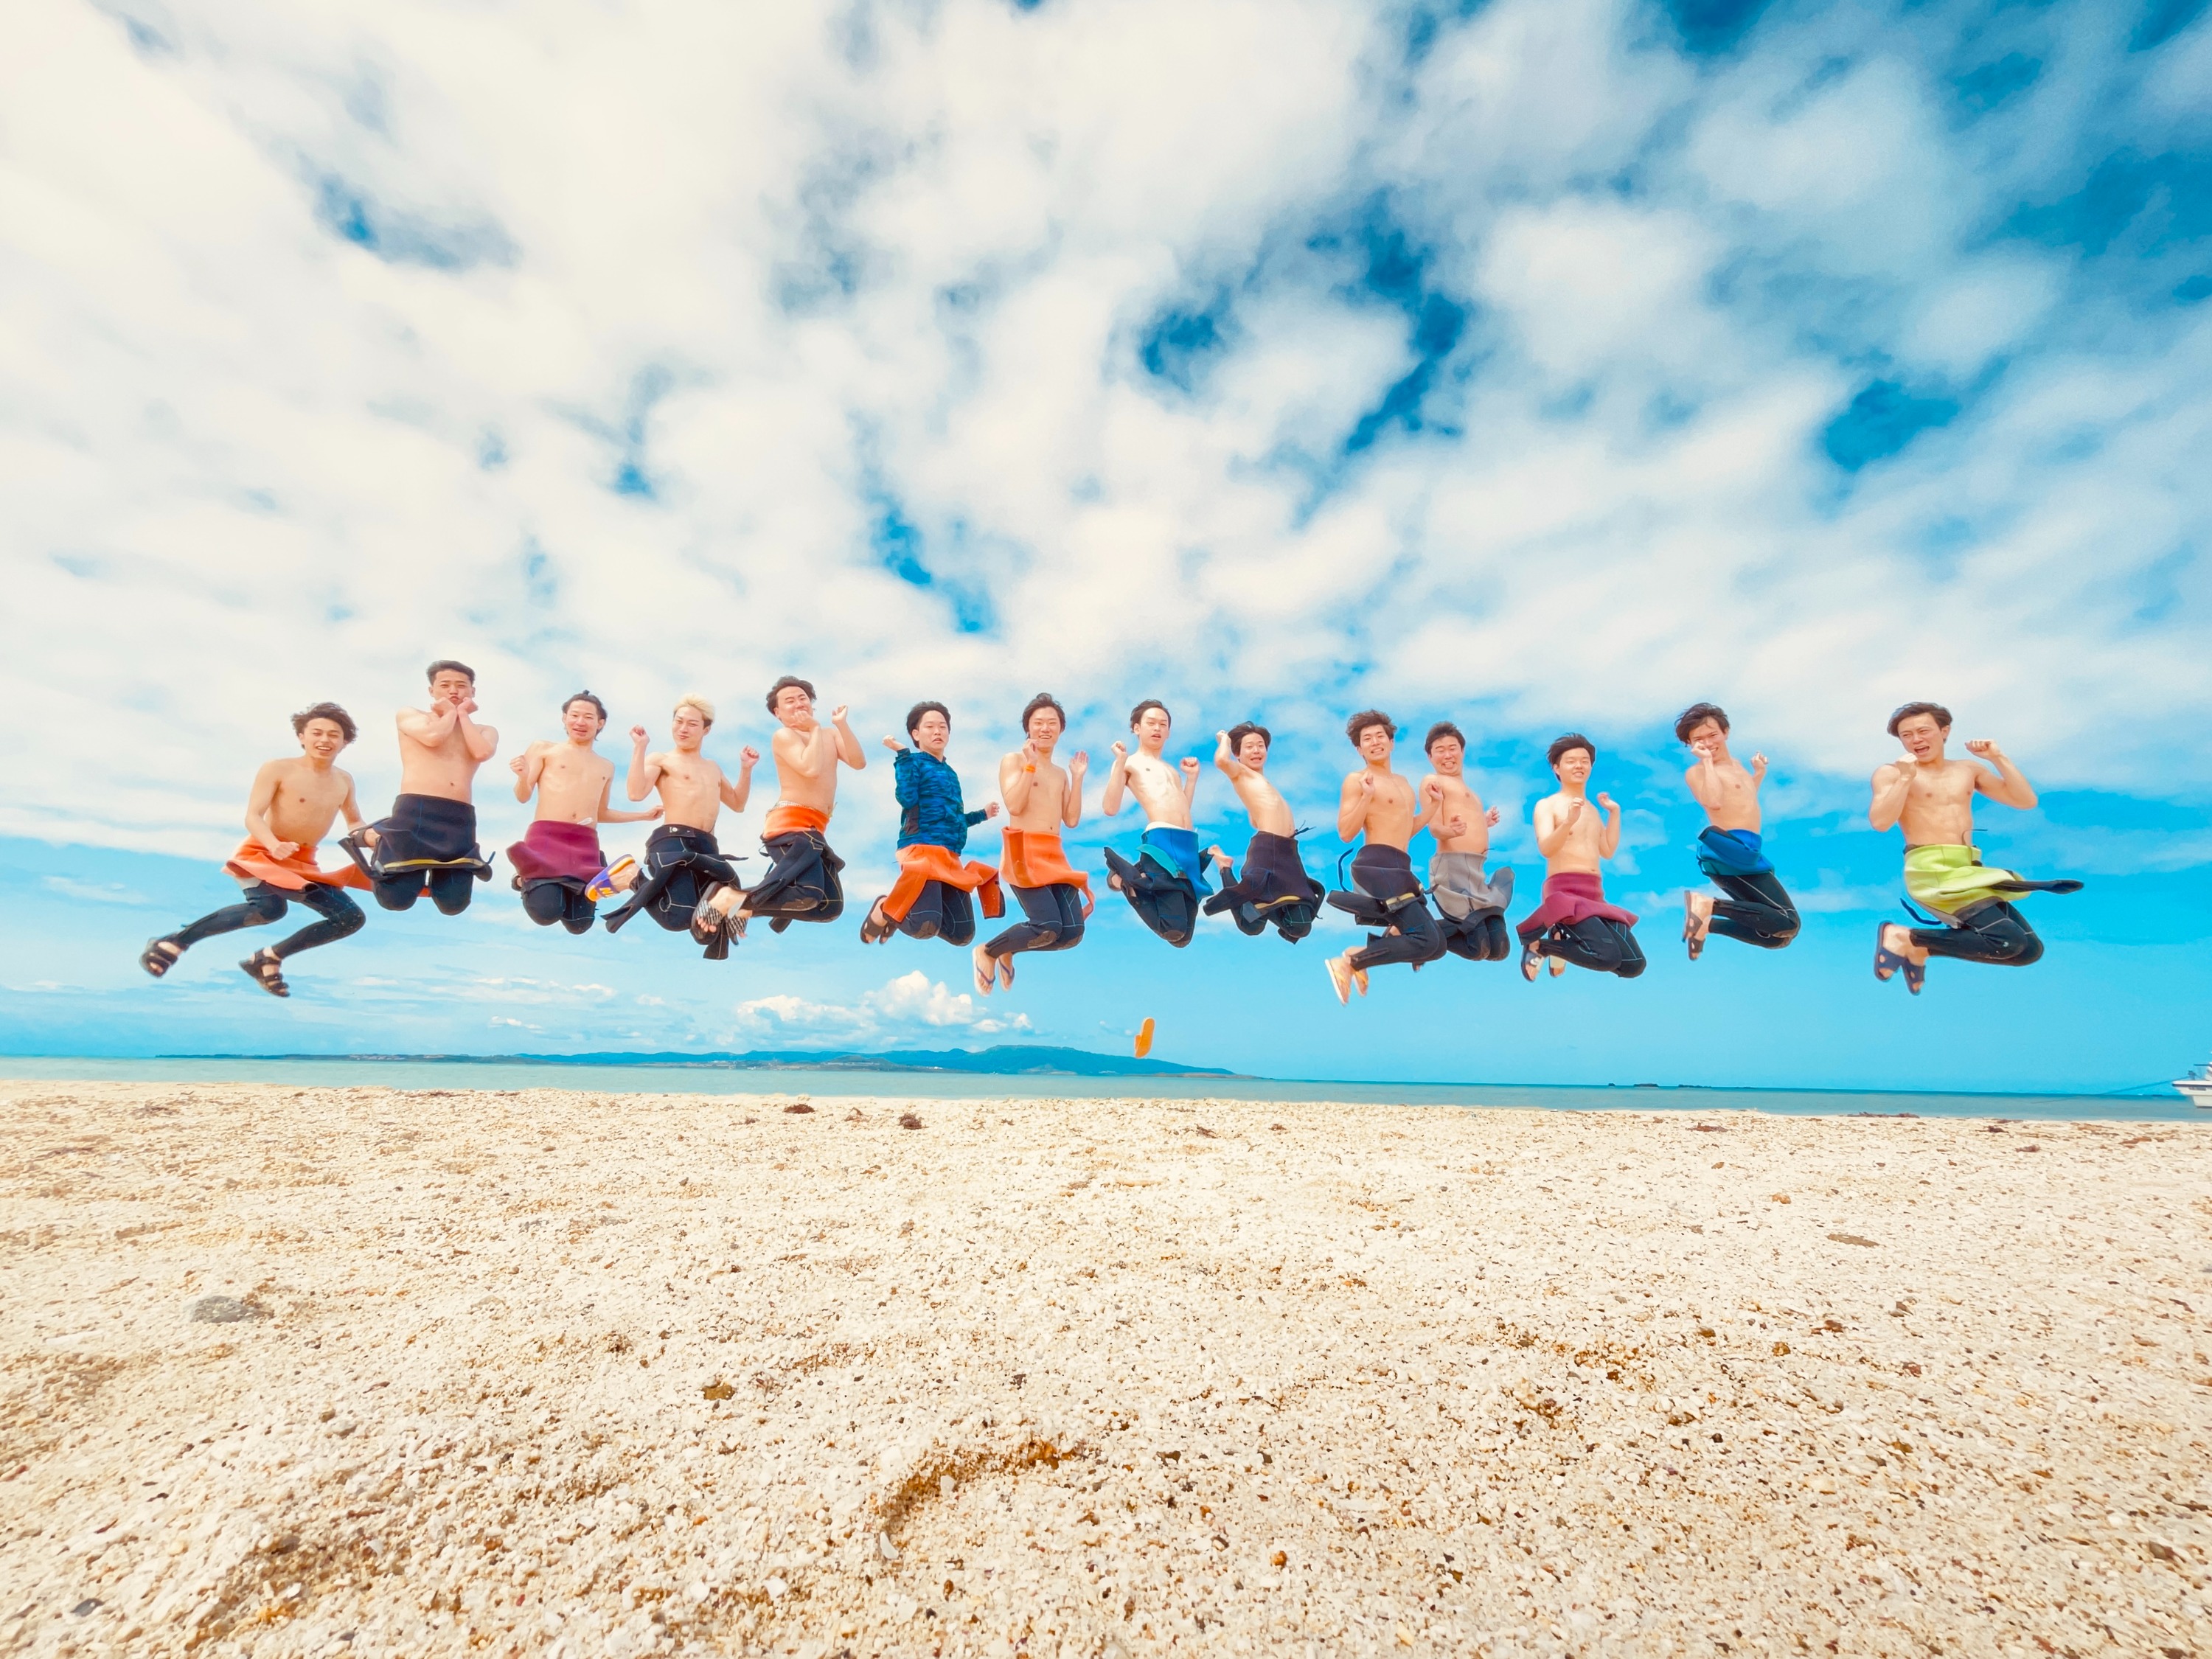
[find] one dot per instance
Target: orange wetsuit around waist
(1033, 857)
(295, 873)
(920, 864)
(783, 819)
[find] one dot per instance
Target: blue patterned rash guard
(929, 792)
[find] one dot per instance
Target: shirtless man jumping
(1274, 887)
(802, 883)
(1163, 886)
(428, 844)
(558, 866)
(683, 864)
(1472, 901)
(1041, 800)
(1933, 797)
(288, 811)
(1380, 803)
(1574, 923)
(1756, 909)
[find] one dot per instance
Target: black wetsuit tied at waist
(681, 864)
(1273, 889)
(1387, 894)
(427, 845)
(802, 883)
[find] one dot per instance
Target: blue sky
(1539, 365)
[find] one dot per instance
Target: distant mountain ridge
(1004, 1059)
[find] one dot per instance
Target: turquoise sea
(948, 1086)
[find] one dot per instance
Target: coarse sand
(373, 1372)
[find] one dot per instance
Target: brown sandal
(267, 968)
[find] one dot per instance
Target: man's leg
(1993, 932)
(451, 890)
(340, 918)
(1494, 944)
(1757, 910)
(546, 902)
(1631, 953)
(262, 905)
(925, 917)
(399, 893)
(1418, 939)
(959, 908)
(577, 912)
(1590, 943)
(1052, 919)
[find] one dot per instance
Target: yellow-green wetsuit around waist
(1949, 879)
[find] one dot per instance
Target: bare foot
(1696, 920)
(1340, 976)
(985, 970)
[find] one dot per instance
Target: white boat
(2197, 1085)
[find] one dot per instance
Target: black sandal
(157, 962)
(267, 968)
(873, 932)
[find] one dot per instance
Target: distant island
(1005, 1060)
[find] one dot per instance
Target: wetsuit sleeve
(972, 819)
(906, 781)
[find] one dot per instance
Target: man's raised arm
(427, 727)
(1018, 776)
(848, 746)
(794, 753)
(1553, 825)
(1230, 766)
(1608, 839)
(2010, 787)
(644, 770)
(1189, 769)
(1893, 787)
(1352, 804)
(608, 815)
(734, 795)
(1070, 804)
(528, 767)
(481, 741)
(1117, 775)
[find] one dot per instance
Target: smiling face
(1707, 734)
(1376, 744)
(932, 733)
(321, 739)
(582, 722)
(1922, 736)
(450, 685)
(1447, 755)
(1044, 728)
(688, 728)
(1252, 750)
(1573, 766)
(795, 708)
(1151, 728)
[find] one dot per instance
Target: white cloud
(913, 999)
(92, 892)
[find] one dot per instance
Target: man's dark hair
(1442, 729)
(446, 663)
(325, 711)
(914, 715)
(784, 684)
(1365, 718)
(1249, 729)
(1695, 716)
(1042, 700)
(1138, 712)
(1943, 715)
(569, 702)
(1565, 741)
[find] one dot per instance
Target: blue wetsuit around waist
(1178, 850)
(1731, 853)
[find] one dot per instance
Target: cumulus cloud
(913, 999)
(1545, 366)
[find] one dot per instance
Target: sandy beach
(371, 1372)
